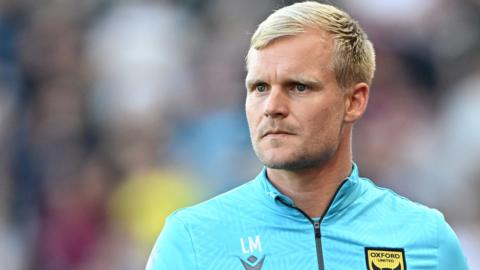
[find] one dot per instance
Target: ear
(356, 100)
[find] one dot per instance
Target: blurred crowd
(114, 113)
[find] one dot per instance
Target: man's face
(295, 109)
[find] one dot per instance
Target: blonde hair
(354, 56)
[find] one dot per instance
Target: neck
(313, 189)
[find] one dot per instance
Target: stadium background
(114, 113)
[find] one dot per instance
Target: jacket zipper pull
(316, 226)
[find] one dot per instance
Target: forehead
(309, 53)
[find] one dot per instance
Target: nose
(276, 104)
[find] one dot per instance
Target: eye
(260, 88)
(300, 87)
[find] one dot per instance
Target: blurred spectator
(73, 217)
(139, 62)
(140, 205)
(458, 149)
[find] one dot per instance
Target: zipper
(318, 243)
(316, 225)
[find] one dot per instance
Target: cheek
(250, 115)
(324, 122)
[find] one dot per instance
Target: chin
(292, 162)
(287, 163)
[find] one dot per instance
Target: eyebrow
(249, 82)
(307, 80)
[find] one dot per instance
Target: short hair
(354, 56)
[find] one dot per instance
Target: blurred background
(114, 113)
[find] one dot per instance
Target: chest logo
(254, 244)
(250, 246)
(385, 258)
(253, 263)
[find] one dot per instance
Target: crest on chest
(385, 258)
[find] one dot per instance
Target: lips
(277, 129)
(276, 133)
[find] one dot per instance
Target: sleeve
(450, 254)
(173, 248)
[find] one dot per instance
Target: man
(309, 70)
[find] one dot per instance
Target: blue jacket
(256, 227)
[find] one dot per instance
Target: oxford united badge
(385, 259)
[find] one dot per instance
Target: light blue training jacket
(256, 227)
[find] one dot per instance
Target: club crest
(385, 259)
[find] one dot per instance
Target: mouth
(276, 133)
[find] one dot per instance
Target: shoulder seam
(396, 195)
(437, 223)
(191, 240)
